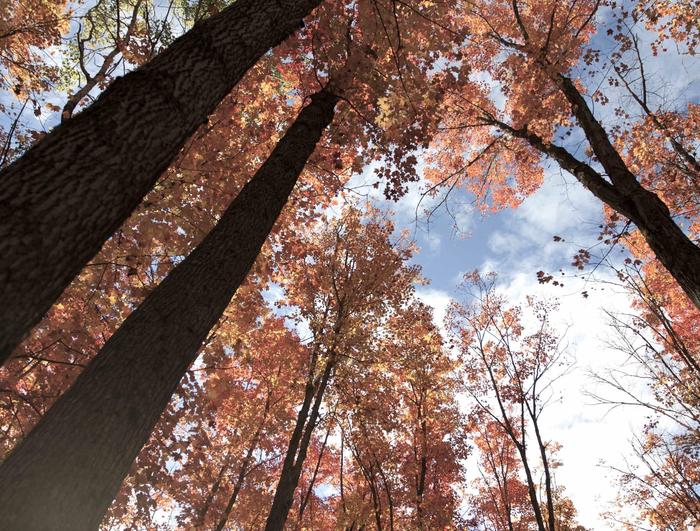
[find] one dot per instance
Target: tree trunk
(66, 196)
(312, 482)
(296, 454)
(202, 518)
(551, 516)
(387, 490)
(369, 475)
(246, 464)
(67, 471)
(531, 489)
(679, 255)
(423, 470)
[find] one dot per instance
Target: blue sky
(516, 244)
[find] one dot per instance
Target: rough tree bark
(65, 196)
(64, 475)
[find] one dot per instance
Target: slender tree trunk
(551, 519)
(342, 463)
(245, 465)
(387, 490)
(296, 454)
(66, 196)
(531, 489)
(202, 518)
(312, 482)
(370, 478)
(376, 502)
(245, 468)
(423, 470)
(67, 471)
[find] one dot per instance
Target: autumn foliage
(328, 395)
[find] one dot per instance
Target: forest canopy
(370, 264)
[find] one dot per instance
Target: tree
(26, 28)
(661, 376)
(501, 501)
(535, 49)
(217, 446)
(509, 375)
(401, 426)
(108, 35)
(429, 438)
(334, 57)
(89, 438)
(348, 277)
(181, 209)
(101, 163)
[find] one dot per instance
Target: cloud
(433, 241)
(589, 434)
(504, 242)
(437, 299)
(561, 204)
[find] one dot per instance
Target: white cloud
(437, 299)
(504, 242)
(561, 204)
(433, 240)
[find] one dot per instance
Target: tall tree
(344, 283)
(661, 345)
(400, 424)
(25, 29)
(83, 447)
(329, 56)
(509, 375)
(428, 438)
(543, 49)
(66, 195)
(235, 406)
(182, 208)
(501, 501)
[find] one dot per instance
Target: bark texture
(64, 475)
(66, 196)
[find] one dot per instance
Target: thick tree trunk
(65, 196)
(67, 471)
